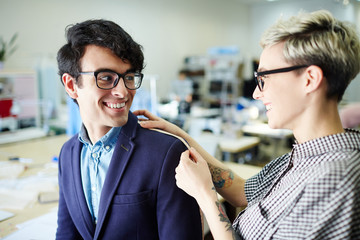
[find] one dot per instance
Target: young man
(116, 179)
(313, 192)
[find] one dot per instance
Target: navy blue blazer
(139, 199)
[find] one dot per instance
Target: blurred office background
(215, 42)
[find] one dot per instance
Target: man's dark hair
(102, 33)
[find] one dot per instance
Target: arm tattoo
(224, 218)
(222, 178)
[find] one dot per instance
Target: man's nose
(120, 89)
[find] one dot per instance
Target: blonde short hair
(318, 38)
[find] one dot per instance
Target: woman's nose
(257, 93)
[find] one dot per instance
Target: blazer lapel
(117, 167)
(119, 161)
(80, 202)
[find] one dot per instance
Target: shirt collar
(83, 136)
(109, 139)
(349, 140)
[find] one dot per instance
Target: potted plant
(7, 48)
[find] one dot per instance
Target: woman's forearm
(219, 224)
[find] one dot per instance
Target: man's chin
(121, 122)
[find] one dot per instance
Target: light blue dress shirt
(95, 161)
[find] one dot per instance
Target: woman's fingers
(156, 122)
(184, 176)
(195, 155)
(151, 121)
(146, 113)
(192, 173)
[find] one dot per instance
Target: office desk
(262, 130)
(243, 170)
(237, 145)
(213, 143)
(41, 151)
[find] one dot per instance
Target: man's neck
(96, 134)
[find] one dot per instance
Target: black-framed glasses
(259, 76)
(109, 79)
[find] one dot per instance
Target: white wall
(169, 30)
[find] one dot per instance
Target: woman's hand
(153, 121)
(193, 175)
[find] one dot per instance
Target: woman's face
(283, 92)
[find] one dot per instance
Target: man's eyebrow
(131, 70)
(111, 70)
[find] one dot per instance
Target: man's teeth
(116, 105)
(268, 107)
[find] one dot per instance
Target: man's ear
(70, 85)
(314, 78)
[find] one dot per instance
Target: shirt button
(94, 155)
(93, 189)
(107, 147)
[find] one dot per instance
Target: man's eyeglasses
(109, 79)
(259, 76)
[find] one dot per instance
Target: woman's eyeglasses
(259, 76)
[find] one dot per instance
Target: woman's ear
(314, 78)
(70, 85)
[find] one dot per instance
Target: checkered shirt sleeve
(316, 198)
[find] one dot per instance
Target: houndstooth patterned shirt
(311, 193)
